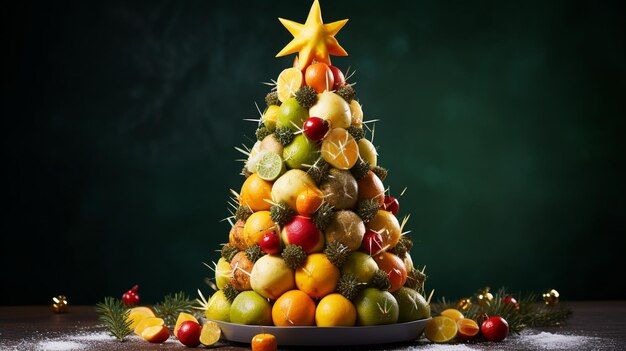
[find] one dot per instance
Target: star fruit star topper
(314, 40)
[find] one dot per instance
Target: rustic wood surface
(603, 324)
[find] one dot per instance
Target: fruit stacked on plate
(315, 237)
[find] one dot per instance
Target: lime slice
(441, 329)
(270, 166)
(210, 333)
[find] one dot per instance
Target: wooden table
(600, 325)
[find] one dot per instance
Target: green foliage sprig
(531, 311)
(114, 314)
(172, 306)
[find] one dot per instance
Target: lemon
(210, 333)
(441, 329)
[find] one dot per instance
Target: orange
(440, 329)
(256, 193)
(288, 82)
(309, 201)
(468, 328)
(371, 187)
(293, 308)
(317, 277)
(148, 322)
(264, 342)
(319, 77)
(394, 267)
(339, 149)
(137, 314)
(257, 225)
(452, 313)
(182, 317)
(386, 224)
(334, 310)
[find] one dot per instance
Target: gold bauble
(551, 297)
(59, 304)
(484, 297)
(464, 304)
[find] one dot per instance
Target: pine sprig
(172, 306)
(532, 311)
(114, 314)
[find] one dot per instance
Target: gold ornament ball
(484, 297)
(551, 297)
(59, 304)
(464, 304)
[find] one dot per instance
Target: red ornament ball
(315, 128)
(270, 243)
(189, 333)
(391, 204)
(495, 328)
(131, 297)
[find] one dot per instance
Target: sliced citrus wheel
(452, 313)
(210, 333)
(148, 322)
(340, 149)
(183, 317)
(440, 329)
(137, 314)
(270, 166)
(468, 328)
(288, 82)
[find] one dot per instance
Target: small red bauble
(340, 80)
(131, 297)
(495, 328)
(189, 333)
(372, 242)
(270, 243)
(315, 128)
(391, 204)
(510, 300)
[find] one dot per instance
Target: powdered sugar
(549, 341)
(54, 345)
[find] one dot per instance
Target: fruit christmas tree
(315, 238)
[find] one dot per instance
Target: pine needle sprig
(114, 314)
(532, 312)
(172, 306)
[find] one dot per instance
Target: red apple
(189, 333)
(495, 328)
(340, 80)
(270, 243)
(302, 231)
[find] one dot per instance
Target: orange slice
(148, 322)
(182, 317)
(468, 328)
(339, 149)
(137, 314)
(156, 334)
(288, 82)
(210, 333)
(452, 313)
(440, 329)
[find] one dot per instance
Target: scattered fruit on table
(288, 82)
(210, 333)
(495, 328)
(315, 128)
(183, 317)
(375, 307)
(264, 342)
(334, 310)
(441, 329)
(452, 313)
(131, 297)
(319, 77)
(251, 308)
(137, 314)
(155, 334)
(468, 329)
(189, 333)
(148, 322)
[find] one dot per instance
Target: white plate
(380, 334)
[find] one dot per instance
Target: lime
(301, 151)
(441, 329)
(251, 308)
(210, 333)
(291, 115)
(412, 305)
(374, 307)
(218, 307)
(270, 166)
(361, 265)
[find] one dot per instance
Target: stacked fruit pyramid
(315, 240)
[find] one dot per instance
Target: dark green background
(504, 119)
